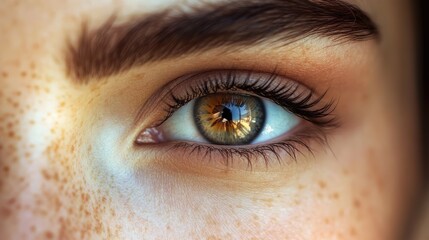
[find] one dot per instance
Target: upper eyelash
(305, 105)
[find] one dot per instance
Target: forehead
(41, 13)
(101, 8)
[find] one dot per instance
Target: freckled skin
(57, 183)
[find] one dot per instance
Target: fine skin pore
(69, 169)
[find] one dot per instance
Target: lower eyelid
(274, 156)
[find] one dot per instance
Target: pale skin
(69, 170)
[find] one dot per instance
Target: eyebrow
(114, 48)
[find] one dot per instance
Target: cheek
(43, 190)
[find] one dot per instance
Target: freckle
(11, 134)
(326, 221)
(45, 174)
(356, 203)
(49, 235)
(11, 201)
(341, 213)
(6, 169)
(5, 212)
(56, 177)
(33, 228)
(9, 100)
(297, 202)
(4, 74)
(322, 184)
(335, 195)
(237, 223)
(353, 231)
(23, 74)
(300, 186)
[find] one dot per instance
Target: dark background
(423, 28)
(422, 12)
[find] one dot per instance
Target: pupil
(227, 114)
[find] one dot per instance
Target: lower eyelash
(269, 153)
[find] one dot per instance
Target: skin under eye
(228, 119)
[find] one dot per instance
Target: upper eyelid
(170, 86)
(166, 92)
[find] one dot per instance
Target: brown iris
(229, 119)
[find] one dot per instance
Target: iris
(229, 118)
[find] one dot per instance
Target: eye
(236, 113)
(228, 119)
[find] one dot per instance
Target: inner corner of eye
(150, 136)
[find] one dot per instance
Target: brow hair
(113, 48)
